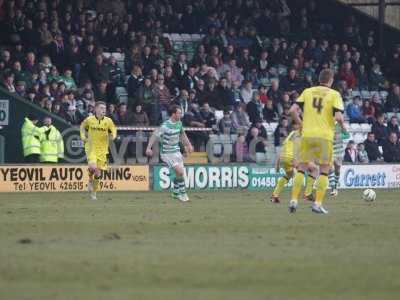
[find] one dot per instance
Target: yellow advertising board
(67, 178)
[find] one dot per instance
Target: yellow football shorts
(316, 150)
(286, 164)
(98, 159)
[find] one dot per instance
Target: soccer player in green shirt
(170, 133)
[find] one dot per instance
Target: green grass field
(222, 245)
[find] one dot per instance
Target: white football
(369, 195)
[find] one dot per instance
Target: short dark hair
(173, 109)
(33, 117)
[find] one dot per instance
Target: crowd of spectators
(254, 61)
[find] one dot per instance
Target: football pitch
(221, 245)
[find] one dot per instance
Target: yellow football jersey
(287, 151)
(319, 105)
(98, 131)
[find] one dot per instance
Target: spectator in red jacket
(368, 111)
(347, 75)
(262, 90)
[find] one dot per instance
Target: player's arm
(296, 108)
(153, 138)
(186, 142)
(338, 109)
(277, 164)
(295, 112)
(83, 130)
(113, 130)
(39, 132)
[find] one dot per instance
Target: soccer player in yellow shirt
(95, 132)
(286, 160)
(321, 107)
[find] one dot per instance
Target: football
(369, 195)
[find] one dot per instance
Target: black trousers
(32, 158)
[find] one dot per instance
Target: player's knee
(97, 173)
(302, 167)
(325, 169)
(179, 171)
